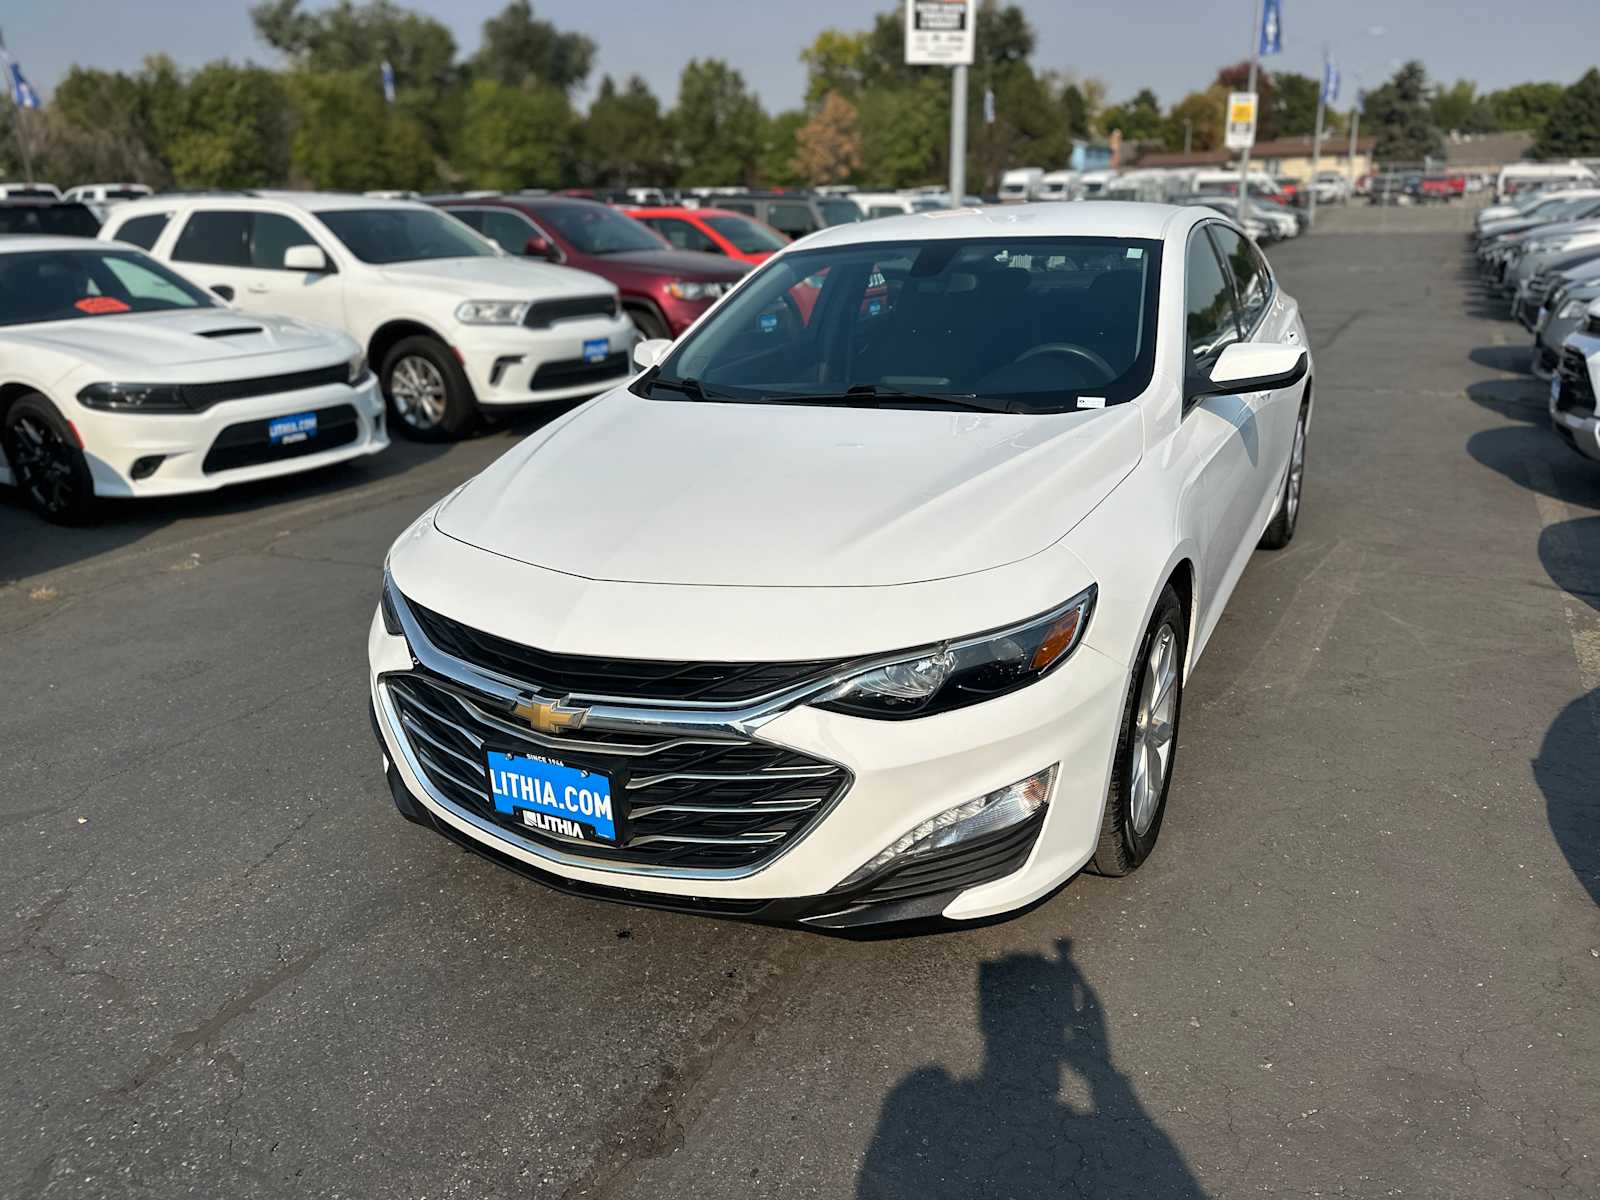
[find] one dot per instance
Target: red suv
(713, 231)
(663, 290)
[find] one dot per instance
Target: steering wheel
(1076, 351)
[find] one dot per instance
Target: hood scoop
(231, 331)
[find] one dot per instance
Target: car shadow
(1006, 1132)
(1516, 360)
(1566, 771)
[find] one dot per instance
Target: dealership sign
(940, 33)
(1241, 121)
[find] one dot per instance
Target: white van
(1021, 184)
(1515, 176)
(1058, 185)
(1093, 183)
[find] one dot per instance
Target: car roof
(18, 243)
(680, 210)
(1103, 218)
(306, 201)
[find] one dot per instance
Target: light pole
(1316, 140)
(1255, 67)
(958, 134)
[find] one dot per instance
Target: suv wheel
(428, 393)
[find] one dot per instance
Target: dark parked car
(54, 217)
(793, 213)
(663, 290)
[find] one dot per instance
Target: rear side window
(510, 231)
(1210, 321)
(737, 206)
(143, 231)
(682, 235)
(794, 219)
(271, 235)
(1250, 274)
(218, 238)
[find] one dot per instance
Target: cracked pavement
(1364, 962)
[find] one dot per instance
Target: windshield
(839, 212)
(393, 235)
(596, 229)
(1025, 325)
(69, 285)
(747, 236)
(127, 193)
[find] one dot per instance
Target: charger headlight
(134, 397)
(492, 312)
(970, 671)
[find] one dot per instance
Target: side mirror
(305, 258)
(1252, 367)
(650, 352)
(539, 247)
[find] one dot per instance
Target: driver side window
(1211, 321)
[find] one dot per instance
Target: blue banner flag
(22, 93)
(1330, 81)
(388, 81)
(1272, 28)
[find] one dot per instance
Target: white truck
(1021, 184)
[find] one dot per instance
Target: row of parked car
(1541, 252)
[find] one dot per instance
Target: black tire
(1280, 530)
(46, 461)
(436, 403)
(647, 323)
(1128, 835)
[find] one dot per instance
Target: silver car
(1565, 313)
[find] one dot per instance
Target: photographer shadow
(1007, 1134)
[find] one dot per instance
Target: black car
(57, 218)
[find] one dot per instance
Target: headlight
(692, 289)
(492, 312)
(1546, 245)
(956, 674)
(386, 605)
(1572, 309)
(134, 397)
(356, 370)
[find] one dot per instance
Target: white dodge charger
(871, 600)
(120, 378)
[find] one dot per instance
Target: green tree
(1460, 108)
(834, 62)
(518, 49)
(236, 131)
(1074, 112)
(905, 133)
(1399, 113)
(625, 138)
(718, 124)
(349, 139)
(1139, 119)
(778, 146)
(1206, 112)
(1573, 128)
(515, 137)
(1296, 103)
(1526, 105)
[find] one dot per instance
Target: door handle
(256, 289)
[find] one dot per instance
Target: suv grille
(201, 396)
(544, 313)
(575, 372)
(1577, 392)
(709, 683)
(686, 802)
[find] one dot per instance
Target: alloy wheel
(1297, 471)
(418, 390)
(1154, 727)
(43, 464)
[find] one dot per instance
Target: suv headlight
(492, 312)
(1572, 309)
(1546, 245)
(956, 674)
(694, 289)
(134, 397)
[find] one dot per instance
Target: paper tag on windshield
(1091, 401)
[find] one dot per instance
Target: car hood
(500, 278)
(682, 492)
(691, 264)
(166, 342)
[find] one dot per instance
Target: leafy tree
(515, 137)
(518, 48)
(905, 133)
(1237, 79)
(834, 63)
(1139, 119)
(1573, 127)
(1296, 103)
(236, 131)
(717, 125)
(828, 147)
(778, 145)
(1206, 112)
(1399, 113)
(1526, 105)
(349, 139)
(625, 137)
(1074, 112)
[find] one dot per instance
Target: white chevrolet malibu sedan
(120, 378)
(871, 600)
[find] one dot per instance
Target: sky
(1171, 46)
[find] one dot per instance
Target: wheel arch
(633, 302)
(391, 333)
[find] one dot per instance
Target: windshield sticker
(97, 305)
(1091, 401)
(1135, 252)
(769, 322)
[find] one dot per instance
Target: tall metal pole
(1255, 66)
(1355, 126)
(958, 134)
(1188, 134)
(1316, 141)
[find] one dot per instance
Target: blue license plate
(596, 349)
(284, 431)
(552, 797)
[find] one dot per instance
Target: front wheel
(1280, 530)
(429, 397)
(1147, 744)
(49, 466)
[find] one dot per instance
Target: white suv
(450, 323)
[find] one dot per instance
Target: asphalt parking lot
(1365, 960)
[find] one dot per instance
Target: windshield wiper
(869, 395)
(688, 385)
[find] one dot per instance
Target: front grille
(247, 445)
(693, 802)
(1540, 286)
(201, 396)
(706, 683)
(575, 372)
(1577, 391)
(544, 313)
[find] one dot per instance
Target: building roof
(1334, 146)
(1488, 149)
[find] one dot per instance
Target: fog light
(987, 814)
(145, 467)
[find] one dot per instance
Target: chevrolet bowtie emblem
(550, 717)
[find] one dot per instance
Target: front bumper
(185, 442)
(512, 365)
(901, 773)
